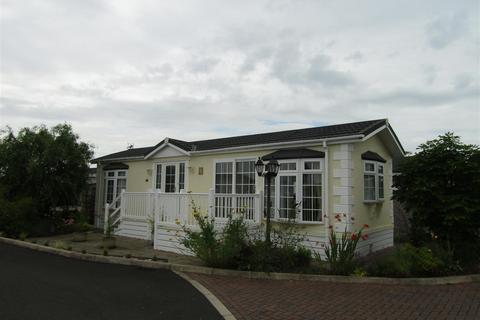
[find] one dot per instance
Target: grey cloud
(291, 67)
(203, 65)
(411, 97)
(356, 57)
(446, 29)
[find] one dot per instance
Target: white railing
(247, 205)
(179, 208)
(113, 217)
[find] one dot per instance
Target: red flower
(365, 225)
(337, 216)
(353, 218)
(330, 227)
(344, 215)
(365, 237)
(354, 236)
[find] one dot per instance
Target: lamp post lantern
(269, 171)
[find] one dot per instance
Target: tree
(440, 185)
(47, 166)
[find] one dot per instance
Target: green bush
(204, 243)
(233, 248)
(408, 261)
(17, 217)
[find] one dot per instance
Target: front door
(170, 177)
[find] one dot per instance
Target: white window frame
(300, 170)
(177, 175)
(234, 171)
(376, 174)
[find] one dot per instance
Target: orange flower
(354, 236)
(365, 225)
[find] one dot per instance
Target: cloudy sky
(134, 72)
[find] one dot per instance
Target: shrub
(204, 243)
(407, 261)
(105, 252)
(128, 256)
(84, 251)
(46, 243)
(18, 216)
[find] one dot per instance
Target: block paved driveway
(283, 299)
(37, 285)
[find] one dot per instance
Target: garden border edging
(244, 274)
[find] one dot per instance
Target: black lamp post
(271, 171)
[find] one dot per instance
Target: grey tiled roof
(339, 130)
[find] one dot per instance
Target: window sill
(373, 201)
(284, 220)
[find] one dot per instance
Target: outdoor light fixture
(259, 167)
(271, 171)
(271, 168)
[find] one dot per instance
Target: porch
(160, 216)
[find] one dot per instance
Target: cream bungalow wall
(345, 187)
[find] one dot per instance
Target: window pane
(370, 167)
(121, 185)
(121, 173)
(380, 187)
(272, 198)
(369, 186)
(181, 176)
(170, 178)
(111, 174)
(312, 165)
(158, 178)
(312, 199)
(223, 177)
(109, 187)
(288, 199)
(380, 169)
(245, 177)
(288, 166)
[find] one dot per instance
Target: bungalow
(338, 175)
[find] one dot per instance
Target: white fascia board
(299, 143)
(163, 145)
(373, 133)
(118, 159)
(397, 143)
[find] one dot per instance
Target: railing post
(211, 203)
(259, 206)
(122, 204)
(105, 218)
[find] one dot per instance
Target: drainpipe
(327, 192)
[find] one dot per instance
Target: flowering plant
(340, 253)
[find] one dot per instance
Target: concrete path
(299, 299)
(36, 285)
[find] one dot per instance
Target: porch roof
(294, 154)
